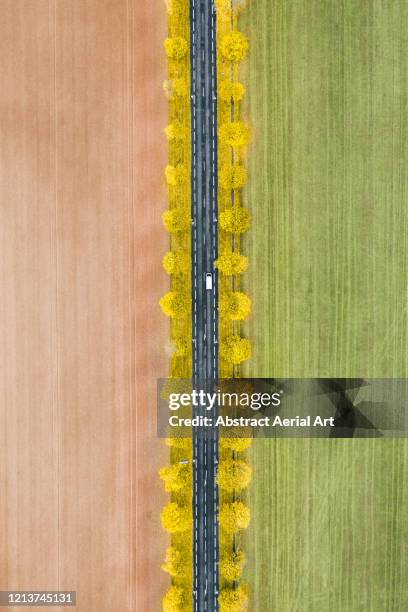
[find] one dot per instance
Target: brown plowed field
(82, 337)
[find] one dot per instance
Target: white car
(208, 281)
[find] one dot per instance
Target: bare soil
(82, 336)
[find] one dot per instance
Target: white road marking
(209, 183)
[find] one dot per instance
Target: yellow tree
(176, 47)
(176, 262)
(235, 349)
(175, 518)
(176, 220)
(235, 220)
(234, 600)
(175, 477)
(234, 134)
(230, 263)
(234, 516)
(175, 304)
(177, 562)
(233, 475)
(238, 445)
(231, 565)
(230, 90)
(234, 46)
(235, 305)
(176, 600)
(232, 176)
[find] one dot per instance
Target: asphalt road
(204, 245)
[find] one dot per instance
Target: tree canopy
(234, 46)
(176, 220)
(234, 600)
(232, 176)
(175, 518)
(235, 220)
(176, 562)
(238, 445)
(176, 600)
(231, 565)
(235, 305)
(176, 48)
(235, 349)
(175, 477)
(228, 90)
(234, 516)
(234, 133)
(233, 475)
(175, 304)
(176, 262)
(230, 262)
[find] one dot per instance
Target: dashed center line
(204, 249)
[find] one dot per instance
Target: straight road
(204, 243)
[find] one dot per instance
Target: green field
(327, 95)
